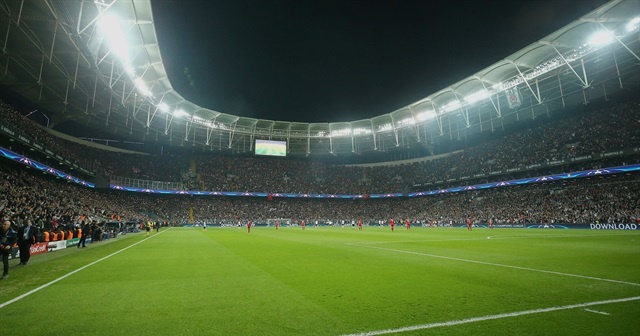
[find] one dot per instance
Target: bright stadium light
(180, 113)
(406, 121)
(112, 28)
(129, 69)
(340, 132)
(385, 127)
(358, 131)
(477, 96)
(451, 106)
(426, 115)
(142, 87)
(600, 38)
(163, 107)
(634, 24)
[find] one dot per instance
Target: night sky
(329, 61)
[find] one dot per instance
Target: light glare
(112, 28)
(163, 107)
(477, 96)
(180, 113)
(633, 25)
(600, 38)
(426, 115)
(142, 87)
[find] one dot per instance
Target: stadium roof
(99, 62)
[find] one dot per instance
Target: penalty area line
(492, 317)
(35, 290)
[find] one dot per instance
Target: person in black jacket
(8, 237)
(86, 232)
(27, 235)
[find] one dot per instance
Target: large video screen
(271, 148)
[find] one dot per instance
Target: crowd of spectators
(595, 132)
(590, 132)
(53, 203)
(607, 200)
(101, 161)
(37, 133)
(56, 206)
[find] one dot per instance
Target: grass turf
(331, 281)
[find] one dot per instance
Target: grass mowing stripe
(500, 265)
(35, 290)
(492, 317)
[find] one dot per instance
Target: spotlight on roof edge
(340, 132)
(634, 24)
(358, 131)
(385, 127)
(406, 122)
(129, 69)
(163, 107)
(142, 86)
(112, 29)
(451, 106)
(477, 96)
(600, 38)
(426, 115)
(179, 113)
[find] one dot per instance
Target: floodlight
(451, 106)
(341, 132)
(142, 86)
(406, 121)
(112, 28)
(385, 127)
(477, 96)
(129, 69)
(634, 24)
(359, 131)
(163, 107)
(600, 38)
(180, 113)
(426, 115)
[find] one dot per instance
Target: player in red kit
(407, 223)
(276, 225)
(249, 227)
(302, 224)
(469, 224)
(392, 224)
(360, 224)
(490, 223)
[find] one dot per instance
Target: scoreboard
(271, 148)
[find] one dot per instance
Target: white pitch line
(18, 298)
(561, 236)
(495, 237)
(500, 265)
(597, 311)
(491, 317)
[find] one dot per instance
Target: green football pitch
(332, 281)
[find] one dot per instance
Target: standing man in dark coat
(27, 235)
(7, 239)
(86, 231)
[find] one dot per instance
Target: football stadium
(502, 203)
